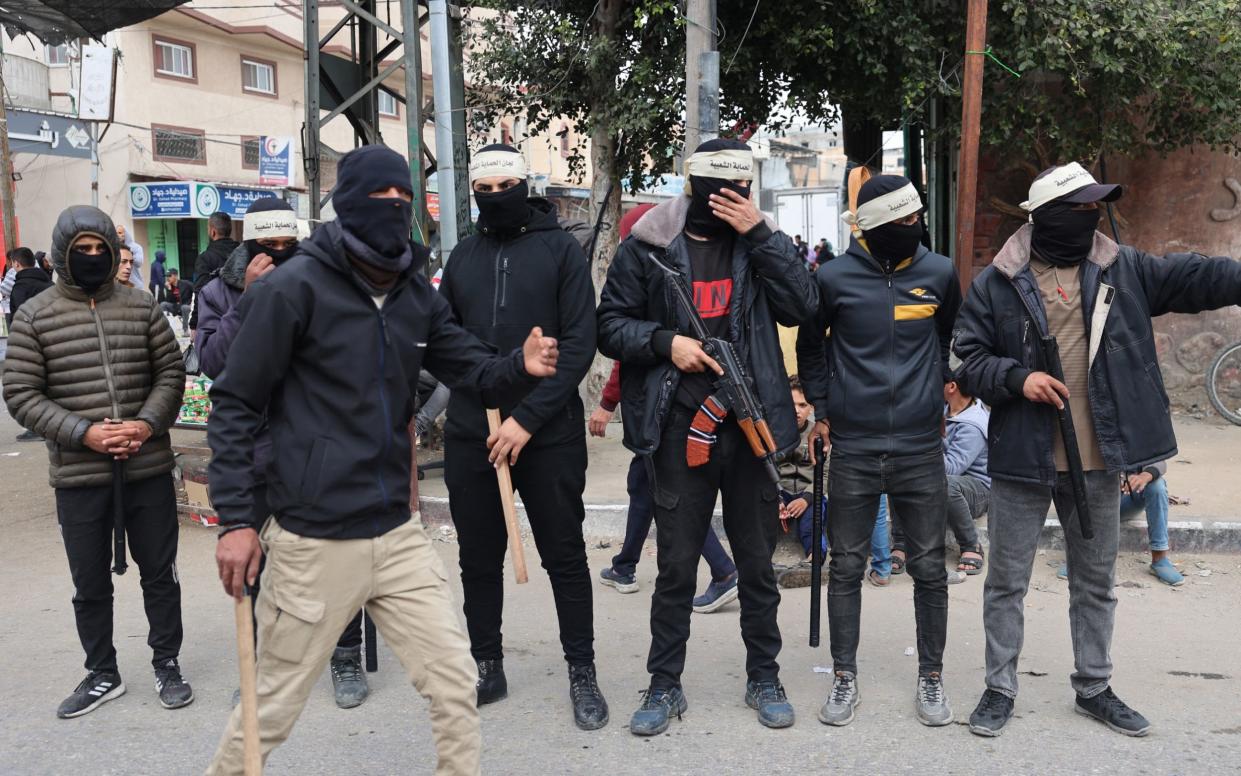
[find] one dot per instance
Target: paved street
(1175, 651)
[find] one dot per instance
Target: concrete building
(195, 89)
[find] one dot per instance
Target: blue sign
(161, 200)
(236, 201)
(276, 161)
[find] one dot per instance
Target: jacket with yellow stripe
(873, 359)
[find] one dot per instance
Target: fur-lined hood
(660, 225)
(1015, 254)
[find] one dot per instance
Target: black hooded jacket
(335, 375)
(207, 265)
(29, 283)
(499, 288)
(879, 375)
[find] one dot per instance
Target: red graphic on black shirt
(711, 297)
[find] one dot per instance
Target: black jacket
(335, 376)
(207, 264)
(499, 289)
(770, 285)
(878, 376)
(28, 283)
(1121, 288)
(184, 286)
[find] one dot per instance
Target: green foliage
(1097, 75)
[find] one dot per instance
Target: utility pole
(971, 121)
(702, 74)
(7, 208)
(451, 153)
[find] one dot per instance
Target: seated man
(797, 494)
(969, 485)
(176, 298)
(1147, 490)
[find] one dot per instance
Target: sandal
(898, 562)
(971, 561)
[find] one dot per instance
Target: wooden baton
(249, 693)
(505, 478)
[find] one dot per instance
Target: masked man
(745, 277)
(94, 369)
(521, 270)
(1060, 277)
(873, 363)
(333, 342)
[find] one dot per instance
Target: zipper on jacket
(495, 291)
(504, 284)
(107, 361)
(383, 401)
(891, 362)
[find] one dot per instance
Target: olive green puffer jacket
(74, 360)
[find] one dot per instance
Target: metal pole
(94, 163)
(699, 39)
(310, 129)
(450, 160)
(412, 51)
(7, 206)
(971, 120)
(708, 96)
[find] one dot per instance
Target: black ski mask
(1063, 235)
(90, 271)
(253, 249)
(504, 212)
(701, 219)
(892, 243)
(375, 229)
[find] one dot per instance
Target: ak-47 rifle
(732, 390)
(1072, 453)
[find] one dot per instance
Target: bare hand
(115, 438)
(259, 266)
(1137, 482)
(797, 507)
(821, 430)
(688, 356)
(540, 354)
(598, 423)
(735, 210)
(237, 556)
(507, 442)
(1042, 387)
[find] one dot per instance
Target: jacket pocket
(296, 621)
(1155, 376)
(312, 475)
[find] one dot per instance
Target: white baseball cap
(1069, 183)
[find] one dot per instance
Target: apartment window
(388, 104)
(566, 148)
(250, 153)
(258, 76)
(178, 144)
(174, 59)
(506, 134)
(58, 55)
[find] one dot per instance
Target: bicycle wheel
(1224, 383)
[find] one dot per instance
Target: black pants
(151, 530)
(351, 638)
(684, 501)
(638, 525)
(551, 481)
(917, 491)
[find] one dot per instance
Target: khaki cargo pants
(311, 588)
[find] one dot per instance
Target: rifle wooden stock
(764, 431)
(748, 427)
(505, 478)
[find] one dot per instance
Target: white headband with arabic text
(885, 208)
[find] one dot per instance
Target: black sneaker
(29, 436)
(492, 685)
(1113, 712)
(590, 710)
(348, 680)
(659, 704)
(768, 699)
(174, 692)
(96, 689)
(993, 712)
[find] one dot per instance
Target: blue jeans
(1154, 499)
(641, 513)
(880, 551)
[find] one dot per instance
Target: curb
(608, 521)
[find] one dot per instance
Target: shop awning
(56, 21)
